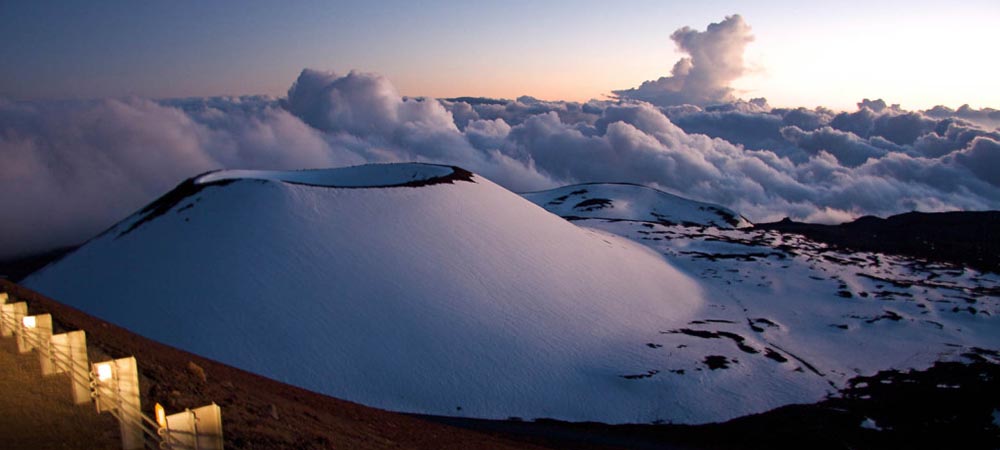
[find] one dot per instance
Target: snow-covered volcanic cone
(410, 287)
(625, 201)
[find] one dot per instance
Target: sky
(915, 53)
(106, 106)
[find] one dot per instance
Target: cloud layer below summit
(73, 168)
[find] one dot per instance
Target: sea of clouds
(71, 169)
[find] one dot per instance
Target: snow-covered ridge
(364, 176)
(627, 201)
(368, 176)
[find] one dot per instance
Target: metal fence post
(117, 389)
(10, 317)
(69, 353)
(37, 332)
(199, 428)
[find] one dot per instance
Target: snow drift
(410, 287)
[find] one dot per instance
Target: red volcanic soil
(257, 413)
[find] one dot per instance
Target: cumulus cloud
(71, 169)
(873, 118)
(366, 113)
(986, 117)
(821, 174)
(982, 157)
(702, 78)
(849, 149)
(513, 112)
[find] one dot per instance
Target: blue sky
(915, 53)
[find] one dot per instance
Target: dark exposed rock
(970, 238)
(716, 362)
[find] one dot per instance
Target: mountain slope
(409, 287)
(624, 201)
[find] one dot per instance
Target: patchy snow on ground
(825, 313)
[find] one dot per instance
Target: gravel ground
(38, 412)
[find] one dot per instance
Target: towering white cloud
(716, 59)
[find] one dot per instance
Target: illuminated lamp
(104, 372)
(161, 416)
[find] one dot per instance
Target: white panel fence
(113, 386)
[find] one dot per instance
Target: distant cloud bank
(71, 169)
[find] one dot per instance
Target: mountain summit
(409, 287)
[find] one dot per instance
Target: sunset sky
(916, 53)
